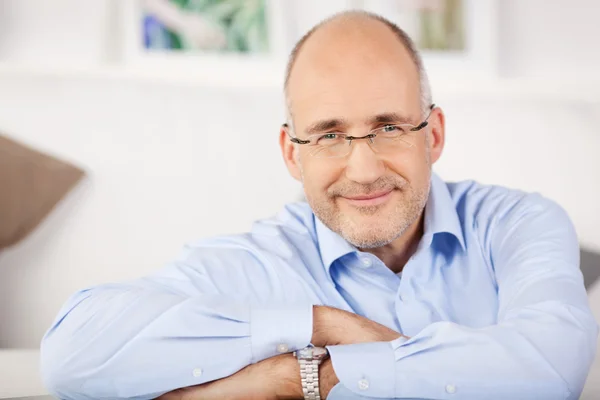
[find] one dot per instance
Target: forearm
(530, 356)
(279, 377)
(104, 334)
(332, 326)
(326, 325)
(274, 378)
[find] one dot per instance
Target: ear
(437, 133)
(288, 150)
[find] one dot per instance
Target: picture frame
(213, 67)
(288, 21)
(479, 58)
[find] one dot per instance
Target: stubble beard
(386, 224)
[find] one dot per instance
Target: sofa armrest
(20, 372)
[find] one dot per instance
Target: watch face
(305, 353)
(320, 353)
(312, 353)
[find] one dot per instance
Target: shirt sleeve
(541, 348)
(184, 326)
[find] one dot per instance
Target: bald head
(354, 37)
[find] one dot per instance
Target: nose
(363, 165)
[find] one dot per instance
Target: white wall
(54, 32)
(554, 39)
(166, 164)
(174, 160)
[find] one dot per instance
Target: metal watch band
(309, 373)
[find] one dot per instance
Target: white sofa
(19, 373)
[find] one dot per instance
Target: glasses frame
(370, 135)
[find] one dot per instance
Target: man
(406, 286)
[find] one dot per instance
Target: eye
(329, 138)
(392, 131)
(389, 128)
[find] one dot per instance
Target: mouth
(373, 199)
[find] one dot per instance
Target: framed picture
(457, 38)
(215, 40)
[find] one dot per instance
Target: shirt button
(363, 384)
(366, 262)
(197, 372)
(282, 348)
(450, 389)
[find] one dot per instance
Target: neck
(397, 253)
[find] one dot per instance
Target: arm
(279, 377)
(541, 347)
(184, 326)
(274, 378)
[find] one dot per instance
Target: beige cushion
(31, 184)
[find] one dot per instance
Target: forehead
(354, 76)
(354, 96)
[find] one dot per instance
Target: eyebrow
(384, 118)
(325, 125)
(389, 118)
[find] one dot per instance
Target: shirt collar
(440, 213)
(331, 245)
(440, 217)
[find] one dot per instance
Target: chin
(369, 231)
(368, 239)
(370, 214)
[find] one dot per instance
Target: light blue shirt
(493, 300)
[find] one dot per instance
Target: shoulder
(483, 205)
(268, 238)
(257, 263)
(504, 220)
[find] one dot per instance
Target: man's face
(370, 196)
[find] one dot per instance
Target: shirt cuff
(366, 369)
(339, 392)
(277, 330)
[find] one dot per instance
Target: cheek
(319, 175)
(411, 164)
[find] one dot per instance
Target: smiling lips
(372, 199)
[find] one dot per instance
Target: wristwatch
(309, 359)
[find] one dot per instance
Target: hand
(332, 326)
(256, 381)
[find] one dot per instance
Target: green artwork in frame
(238, 26)
(434, 25)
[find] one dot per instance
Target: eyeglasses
(388, 138)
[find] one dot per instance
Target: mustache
(383, 184)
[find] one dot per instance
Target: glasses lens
(388, 140)
(401, 138)
(338, 149)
